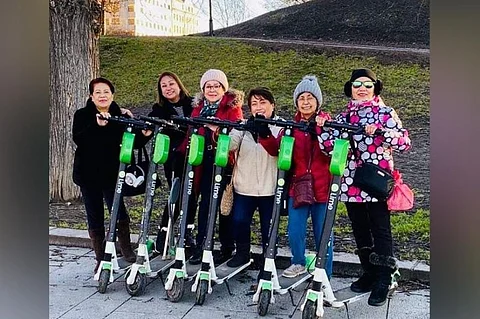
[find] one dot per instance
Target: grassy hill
(377, 22)
(133, 64)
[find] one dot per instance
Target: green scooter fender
(197, 146)
(221, 155)
(127, 147)
(285, 154)
(162, 147)
(339, 157)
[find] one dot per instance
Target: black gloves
(250, 125)
(262, 128)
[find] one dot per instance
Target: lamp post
(210, 32)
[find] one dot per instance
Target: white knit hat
(308, 84)
(214, 75)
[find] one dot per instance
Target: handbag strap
(352, 142)
(310, 159)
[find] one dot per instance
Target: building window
(131, 21)
(131, 8)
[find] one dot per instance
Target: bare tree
(229, 12)
(278, 4)
(74, 61)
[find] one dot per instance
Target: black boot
(385, 267)
(189, 239)
(196, 256)
(160, 241)
(365, 282)
(123, 234)
(97, 237)
(224, 255)
(241, 257)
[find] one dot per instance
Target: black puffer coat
(98, 147)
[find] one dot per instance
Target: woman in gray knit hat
(307, 159)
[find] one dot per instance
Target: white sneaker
(294, 271)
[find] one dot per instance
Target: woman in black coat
(96, 163)
(173, 99)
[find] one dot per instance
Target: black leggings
(371, 226)
(93, 200)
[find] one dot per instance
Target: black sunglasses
(367, 84)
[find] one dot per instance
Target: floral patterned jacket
(377, 149)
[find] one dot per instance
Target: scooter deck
(224, 272)
(290, 283)
(158, 265)
(192, 270)
(346, 295)
(123, 264)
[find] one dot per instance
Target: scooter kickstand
(228, 287)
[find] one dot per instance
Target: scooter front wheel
(310, 310)
(138, 286)
(103, 280)
(201, 292)
(264, 302)
(176, 293)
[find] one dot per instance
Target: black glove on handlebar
(250, 125)
(262, 128)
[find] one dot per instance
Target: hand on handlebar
(262, 128)
(320, 120)
(370, 129)
(101, 122)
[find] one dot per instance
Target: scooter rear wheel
(264, 302)
(176, 293)
(201, 292)
(138, 286)
(103, 280)
(310, 310)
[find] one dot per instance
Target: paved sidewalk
(345, 265)
(73, 294)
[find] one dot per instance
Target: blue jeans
(243, 209)
(297, 229)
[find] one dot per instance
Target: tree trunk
(74, 61)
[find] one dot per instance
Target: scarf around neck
(354, 105)
(209, 109)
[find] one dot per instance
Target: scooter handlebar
(201, 121)
(158, 122)
(133, 122)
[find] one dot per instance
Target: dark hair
(183, 91)
(377, 87)
(100, 80)
(260, 91)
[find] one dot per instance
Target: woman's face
(213, 91)
(306, 104)
(102, 96)
(260, 105)
(170, 89)
(362, 89)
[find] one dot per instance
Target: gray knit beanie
(214, 75)
(308, 84)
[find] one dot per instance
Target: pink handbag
(401, 198)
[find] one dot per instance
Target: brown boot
(123, 234)
(98, 244)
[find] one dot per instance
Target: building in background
(153, 18)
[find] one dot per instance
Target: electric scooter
(182, 272)
(208, 273)
(270, 282)
(136, 276)
(321, 291)
(111, 263)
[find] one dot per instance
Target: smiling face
(102, 96)
(213, 91)
(260, 105)
(307, 104)
(170, 89)
(362, 89)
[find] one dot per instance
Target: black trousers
(225, 228)
(175, 166)
(93, 199)
(371, 226)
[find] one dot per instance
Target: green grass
(133, 65)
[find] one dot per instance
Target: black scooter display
(144, 267)
(111, 263)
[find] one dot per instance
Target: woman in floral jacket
(370, 216)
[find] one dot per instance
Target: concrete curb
(344, 264)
